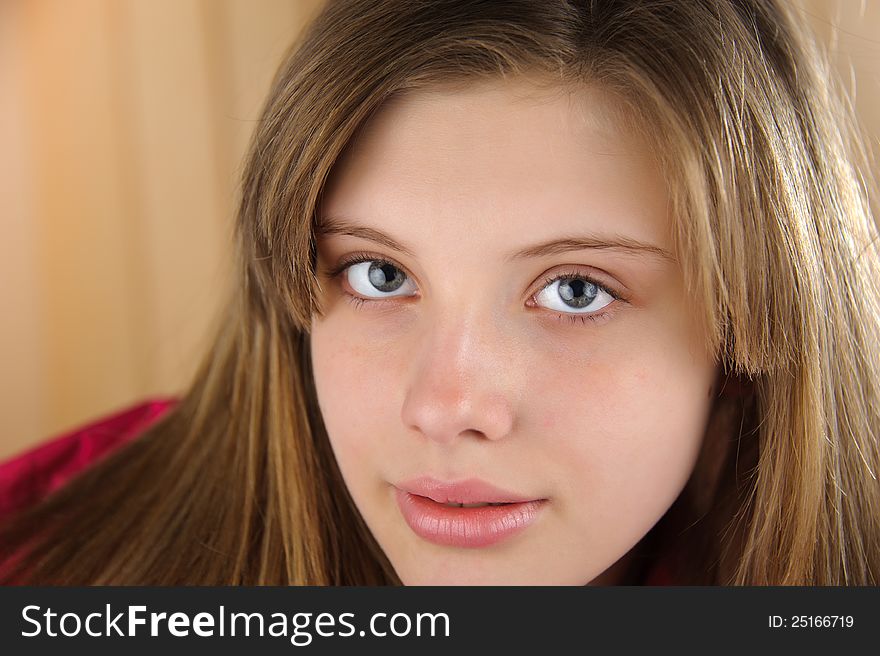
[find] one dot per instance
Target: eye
(574, 296)
(375, 278)
(574, 293)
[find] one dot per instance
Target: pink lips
(421, 502)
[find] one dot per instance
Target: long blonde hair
(773, 226)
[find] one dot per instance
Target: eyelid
(357, 258)
(549, 279)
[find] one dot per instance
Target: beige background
(122, 128)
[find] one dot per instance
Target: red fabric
(28, 477)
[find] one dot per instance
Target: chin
(426, 574)
(431, 578)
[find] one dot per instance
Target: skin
(459, 373)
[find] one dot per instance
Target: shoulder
(29, 476)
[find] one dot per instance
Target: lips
(425, 504)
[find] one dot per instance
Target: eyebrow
(336, 225)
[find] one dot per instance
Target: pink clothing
(30, 476)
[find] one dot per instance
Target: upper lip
(472, 490)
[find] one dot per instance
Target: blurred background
(123, 124)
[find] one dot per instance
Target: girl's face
(516, 319)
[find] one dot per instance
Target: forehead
(494, 106)
(509, 153)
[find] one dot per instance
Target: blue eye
(369, 276)
(574, 293)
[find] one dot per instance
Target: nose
(461, 384)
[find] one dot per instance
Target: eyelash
(357, 301)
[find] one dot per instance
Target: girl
(557, 292)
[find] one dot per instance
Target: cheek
(354, 385)
(623, 439)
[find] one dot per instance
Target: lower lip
(466, 527)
